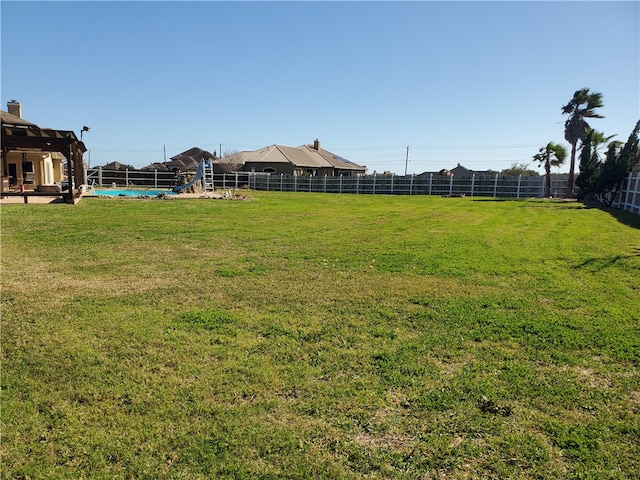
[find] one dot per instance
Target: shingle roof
(334, 160)
(305, 156)
(11, 119)
(187, 160)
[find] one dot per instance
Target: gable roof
(305, 156)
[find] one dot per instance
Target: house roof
(113, 166)
(18, 133)
(458, 171)
(305, 156)
(187, 160)
(335, 160)
(11, 119)
(156, 166)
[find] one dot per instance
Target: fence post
(411, 184)
(518, 192)
(100, 176)
(627, 192)
(495, 187)
(310, 181)
(340, 185)
(374, 183)
(126, 176)
(325, 183)
(451, 185)
(392, 177)
(358, 184)
(295, 183)
(544, 181)
(430, 182)
(624, 200)
(281, 177)
(155, 178)
(473, 183)
(635, 192)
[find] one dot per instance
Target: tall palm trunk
(572, 170)
(547, 168)
(581, 106)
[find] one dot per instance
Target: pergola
(18, 134)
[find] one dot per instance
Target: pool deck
(14, 200)
(32, 200)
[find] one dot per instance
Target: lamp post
(84, 129)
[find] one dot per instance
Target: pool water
(127, 192)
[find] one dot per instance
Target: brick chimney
(14, 108)
(316, 144)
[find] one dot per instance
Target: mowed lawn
(320, 336)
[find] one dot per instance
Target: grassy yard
(320, 336)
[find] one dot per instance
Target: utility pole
(406, 162)
(164, 149)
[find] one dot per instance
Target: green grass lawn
(320, 336)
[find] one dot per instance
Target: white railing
(99, 177)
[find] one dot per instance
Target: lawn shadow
(627, 218)
(597, 264)
(495, 199)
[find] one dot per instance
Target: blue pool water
(127, 192)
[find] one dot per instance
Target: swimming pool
(128, 192)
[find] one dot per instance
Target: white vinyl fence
(493, 186)
(474, 186)
(629, 196)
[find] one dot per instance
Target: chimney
(316, 144)
(14, 108)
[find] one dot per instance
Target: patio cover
(19, 134)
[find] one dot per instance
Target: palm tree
(581, 106)
(552, 155)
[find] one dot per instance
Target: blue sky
(476, 83)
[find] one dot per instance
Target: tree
(603, 179)
(518, 169)
(590, 163)
(552, 155)
(618, 164)
(231, 161)
(581, 106)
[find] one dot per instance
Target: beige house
(311, 160)
(34, 158)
